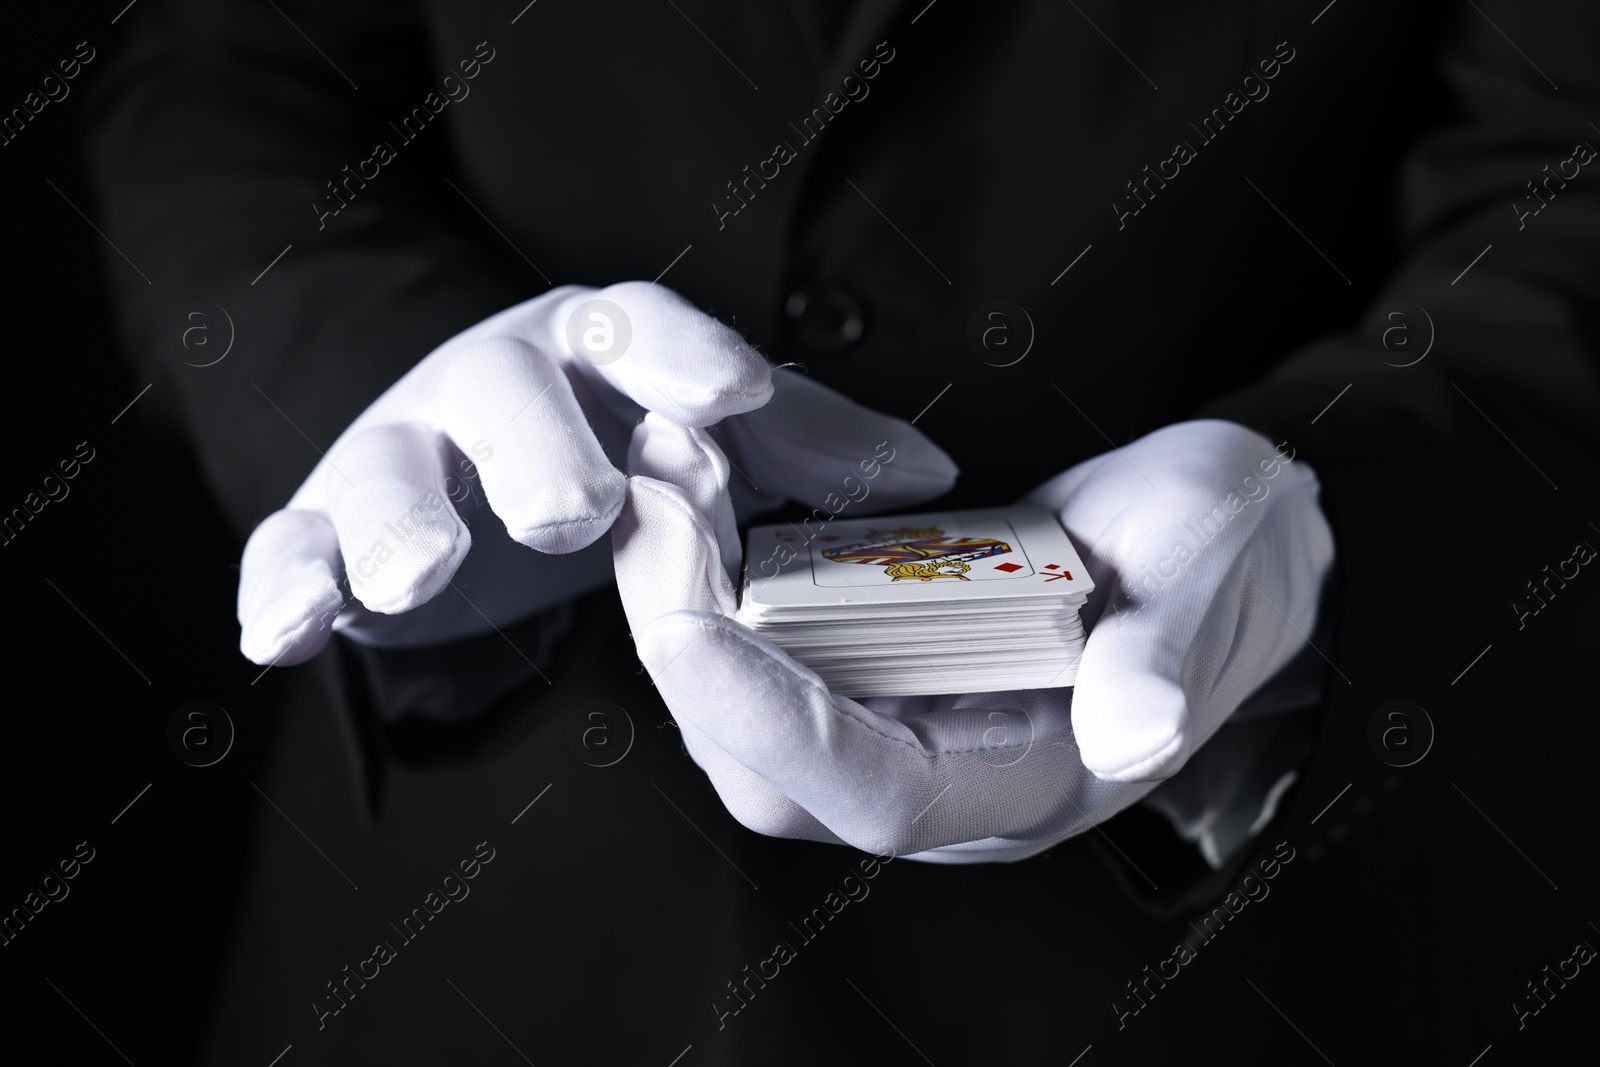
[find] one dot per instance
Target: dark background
(1408, 922)
(139, 549)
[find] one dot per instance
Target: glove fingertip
(573, 520)
(294, 626)
(1134, 727)
(1158, 766)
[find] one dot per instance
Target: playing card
(944, 602)
(991, 554)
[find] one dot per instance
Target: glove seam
(1134, 772)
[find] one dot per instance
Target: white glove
(1208, 551)
(995, 776)
(497, 443)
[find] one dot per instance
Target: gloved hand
(497, 443)
(988, 776)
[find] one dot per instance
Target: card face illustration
(990, 560)
(947, 551)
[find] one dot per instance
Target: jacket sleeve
(249, 161)
(1454, 430)
(1483, 341)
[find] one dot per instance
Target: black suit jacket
(1367, 231)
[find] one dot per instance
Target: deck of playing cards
(908, 605)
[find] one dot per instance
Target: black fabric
(994, 159)
(825, 19)
(1162, 323)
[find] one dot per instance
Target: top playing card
(989, 554)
